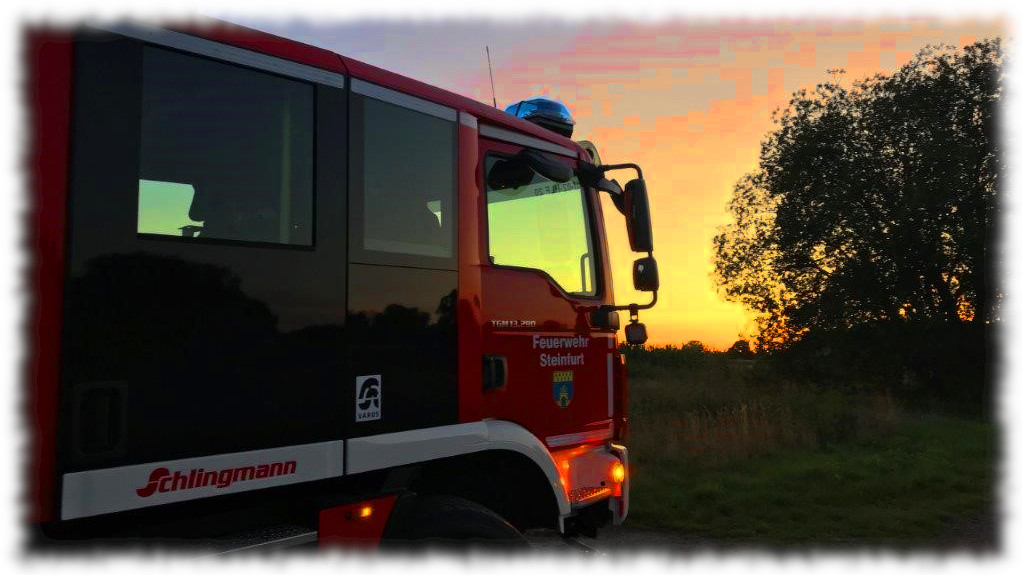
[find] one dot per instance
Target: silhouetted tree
(693, 346)
(740, 348)
(874, 203)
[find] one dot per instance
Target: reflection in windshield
(542, 225)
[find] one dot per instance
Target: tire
(449, 522)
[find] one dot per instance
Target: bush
(935, 364)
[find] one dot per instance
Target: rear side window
(541, 225)
(226, 152)
(404, 164)
(409, 181)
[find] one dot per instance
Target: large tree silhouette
(874, 203)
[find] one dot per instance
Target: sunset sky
(688, 100)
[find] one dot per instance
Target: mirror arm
(610, 186)
(636, 307)
(609, 167)
(594, 176)
(632, 308)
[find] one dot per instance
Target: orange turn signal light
(365, 511)
(617, 472)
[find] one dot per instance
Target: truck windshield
(542, 225)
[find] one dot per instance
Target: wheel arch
(496, 463)
(504, 481)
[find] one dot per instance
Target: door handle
(494, 372)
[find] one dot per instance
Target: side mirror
(640, 230)
(546, 166)
(635, 333)
(645, 275)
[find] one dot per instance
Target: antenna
(490, 65)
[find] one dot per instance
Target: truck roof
(255, 40)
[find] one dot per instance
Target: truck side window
(541, 225)
(407, 181)
(226, 152)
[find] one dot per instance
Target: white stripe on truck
(99, 491)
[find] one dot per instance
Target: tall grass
(917, 486)
(732, 448)
(697, 408)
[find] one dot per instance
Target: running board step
(269, 539)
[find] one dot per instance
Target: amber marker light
(365, 511)
(617, 472)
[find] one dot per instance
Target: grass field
(719, 451)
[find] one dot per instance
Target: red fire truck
(283, 296)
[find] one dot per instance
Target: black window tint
(226, 152)
(408, 182)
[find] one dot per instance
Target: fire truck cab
(275, 286)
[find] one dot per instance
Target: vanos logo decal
(368, 397)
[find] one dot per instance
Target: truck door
(545, 270)
(402, 270)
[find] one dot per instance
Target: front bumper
(587, 477)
